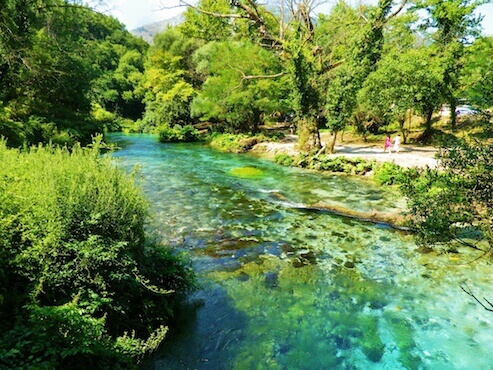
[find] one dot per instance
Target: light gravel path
(408, 156)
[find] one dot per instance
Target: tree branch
(203, 11)
(244, 77)
(399, 9)
(470, 293)
(254, 77)
(251, 12)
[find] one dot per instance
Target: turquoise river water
(288, 286)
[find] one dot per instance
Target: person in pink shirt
(387, 144)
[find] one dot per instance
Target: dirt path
(408, 156)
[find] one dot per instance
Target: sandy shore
(408, 156)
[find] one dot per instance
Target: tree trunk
(402, 122)
(333, 143)
(317, 142)
(429, 116)
(308, 135)
(453, 116)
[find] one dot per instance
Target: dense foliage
(235, 143)
(178, 133)
(453, 206)
(68, 72)
(323, 162)
(81, 285)
(240, 65)
(59, 63)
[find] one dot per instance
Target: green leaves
(402, 81)
(76, 263)
(56, 59)
(242, 86)
(454, 205)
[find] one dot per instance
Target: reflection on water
(285, 287)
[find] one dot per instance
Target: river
(287, 286)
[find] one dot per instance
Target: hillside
(148, 31)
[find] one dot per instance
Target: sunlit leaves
(477, 78)
(241, 86)
(407, 80)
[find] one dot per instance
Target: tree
(167, 85)
(453, 25)
(363, 53)
(477, 79)
(118, 58)
(237, 94)
(403, 81)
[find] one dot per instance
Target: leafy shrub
(323, 162)
(104, 118)
(284, 159)
(273, 135)
(234, 143)
(388, 173)
(178, 133)
(303, 159)
(77, 271)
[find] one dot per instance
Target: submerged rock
(424, 250)
(342, 342)
(349, 264)
(304, 257)
(243, 276)
(271, 280)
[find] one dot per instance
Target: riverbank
(408, 156)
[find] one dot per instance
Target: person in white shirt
(397, 143)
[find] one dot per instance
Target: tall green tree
(452, 24)
(477, 79)
(118, 58)
(238, 98)
(168, 82)
(404, 81)
(362, 55)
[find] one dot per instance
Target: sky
(137, 13)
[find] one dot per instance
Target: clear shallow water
(289, 287)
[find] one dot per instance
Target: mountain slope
(148, 31)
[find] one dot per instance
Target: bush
(388, 173)
(234, 143)
(284, 159)
(77, 271)
(178, 133)
(353, 166)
